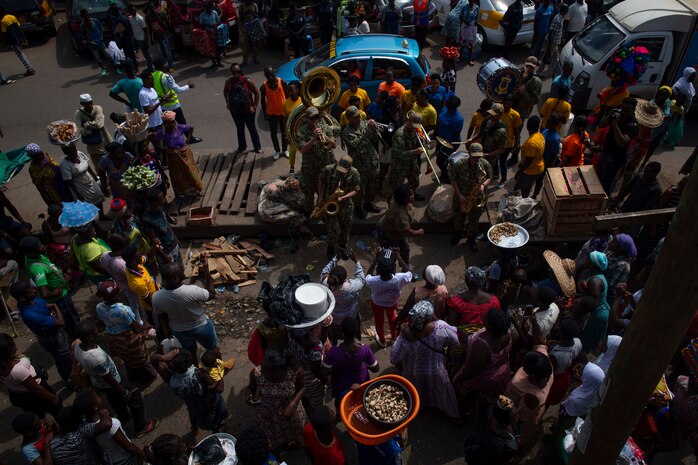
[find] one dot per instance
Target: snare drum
(455, 157)
(498, 77)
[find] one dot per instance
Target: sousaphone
(321, 89)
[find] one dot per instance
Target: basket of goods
(379, 409)
(627, 64)
(139, 178)
(449, 53)
(135, 128)
(216, 449)
(62, 132)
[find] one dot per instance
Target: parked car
(491, 12)
(407, 23)
(371, 54)
(33, 15)
(97, 9)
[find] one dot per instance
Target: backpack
(239, 97)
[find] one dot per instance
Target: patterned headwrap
(667, 89)
(435, 275)
(33, 150)
(108, 290)
(421, 313)
(168, 115)
(475, 275)
(627, 245)
(599, 260)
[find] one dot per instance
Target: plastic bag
(209, 451)
(280, 301)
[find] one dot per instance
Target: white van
(491, 12)
(667, 28)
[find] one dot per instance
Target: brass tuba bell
(320, 89)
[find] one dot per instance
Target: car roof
(376, 43)
(646, 16)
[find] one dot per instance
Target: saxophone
(476, 198)
(329, 207)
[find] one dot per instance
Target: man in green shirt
(49, 280)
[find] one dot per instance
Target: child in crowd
(563, 356)
(36, 434)
(320, 440)
(214, 366)
(252, 448)
(385, 290)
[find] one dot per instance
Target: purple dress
(348, 368)
(423, 364)
(493, 379)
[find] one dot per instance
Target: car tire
(485, 42)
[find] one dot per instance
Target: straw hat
(316, 302)
(563, 269)
(648, 114)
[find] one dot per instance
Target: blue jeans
(57, 345)
(166, 52)
(142, 45)
(204, 335)
(242, 120)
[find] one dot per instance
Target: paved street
(52, 94)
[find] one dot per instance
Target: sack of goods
(281, 202)
(440, 208)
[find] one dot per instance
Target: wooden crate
(571, 198)
(200, 216)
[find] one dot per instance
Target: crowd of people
(495, 356)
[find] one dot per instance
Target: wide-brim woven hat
(648, 114)
(563, 269)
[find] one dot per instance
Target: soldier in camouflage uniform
(493, 136)
(315, 153)
(405, 153)
(340, 175)
(468, 174)
(361, 139)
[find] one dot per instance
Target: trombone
(424, 148)
(384, 127)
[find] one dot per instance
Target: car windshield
(12, 6)
(313, 60)
(600, 37)
(92, 6)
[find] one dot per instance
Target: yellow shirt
(7, 21)
(534, 147)
(476, 122)
(344, 100)
(428, 113)
(288, 106)
(343, 120)
(512, 120)
(141, 284)
(560, 107)
(406, 101)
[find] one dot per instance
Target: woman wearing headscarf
(621, 255)
(184, 174)
(599, 243)
(684, 86)
(419, 351)
(433, 289)
(45, 173)
(112, 167)
(606, 358)
(596, 287)
(345, 291)
(663, 101)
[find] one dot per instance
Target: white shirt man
(148, 97)
(577, 17)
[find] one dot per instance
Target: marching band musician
(406, 152)
(361, 139)
(340, 175)
(317, 143)
(470, 176)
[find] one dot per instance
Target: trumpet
(323, 139)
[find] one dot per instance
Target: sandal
(149, 428)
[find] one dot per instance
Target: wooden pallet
(230, 185)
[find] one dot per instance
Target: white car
(491, 12)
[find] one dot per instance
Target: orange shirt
(573, 150)
(394, 90)
(275, 98)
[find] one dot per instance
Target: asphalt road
(52, 93)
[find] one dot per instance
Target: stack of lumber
(227, 263)
(572, 197)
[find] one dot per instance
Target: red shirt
(320, 453)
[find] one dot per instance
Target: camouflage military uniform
(339, 225)
(467, 179)
(493, 139)
(403, 162)
(529, 98)
(361, 146)
(313, 162)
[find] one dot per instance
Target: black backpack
(239, 97)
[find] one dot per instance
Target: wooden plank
(242, 184)
(231, 184)
(574, 180)
(256, 247)
(658, 215)
(251, 205)
(591, 179)
(217, 252)
(558, 183)
(217, 191)
(249, 282)
(215, 168)
(206, 175)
